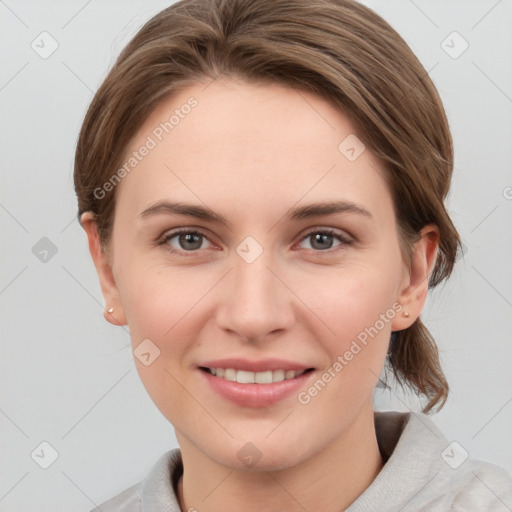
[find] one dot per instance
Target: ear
(104, 270)
(414, 287)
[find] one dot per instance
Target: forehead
(250, 142)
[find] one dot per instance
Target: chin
(251, 458)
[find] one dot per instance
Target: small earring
(406, 314)
(110, 310)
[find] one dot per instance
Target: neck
(330, 480)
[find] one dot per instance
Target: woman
(262, 185)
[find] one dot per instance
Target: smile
(244, 388)
(247, 377)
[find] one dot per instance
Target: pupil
(188, 238)
(322, 238)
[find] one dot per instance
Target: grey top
(423, 472)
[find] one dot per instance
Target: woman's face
(275, 280)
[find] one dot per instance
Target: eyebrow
(298, 213)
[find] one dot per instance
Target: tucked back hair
(338, 49)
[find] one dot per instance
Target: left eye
(323, 240)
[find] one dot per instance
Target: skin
(250, 152)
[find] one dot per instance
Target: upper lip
(255, 366)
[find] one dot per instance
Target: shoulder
(425, 472)
(456, 482)
(478, 485)
(127, 501)
(154, 493)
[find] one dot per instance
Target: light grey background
(68, 377)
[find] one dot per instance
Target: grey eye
(186, 240)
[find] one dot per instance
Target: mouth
(248, 377)
(264, 388)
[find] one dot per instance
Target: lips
(247, 383)
(256, 395)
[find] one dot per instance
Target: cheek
(165, 305)
(357, 305)
(353, 299)
(338, 305)
(156, 300)
(162, 306)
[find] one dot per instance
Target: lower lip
(255, 395)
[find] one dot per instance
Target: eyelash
(325, 231)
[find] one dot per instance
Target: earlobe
(415, 289)
(113, 311)
(113, 317)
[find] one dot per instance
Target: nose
(255, 300)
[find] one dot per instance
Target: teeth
(245, 377)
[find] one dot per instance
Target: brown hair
(338, 49)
